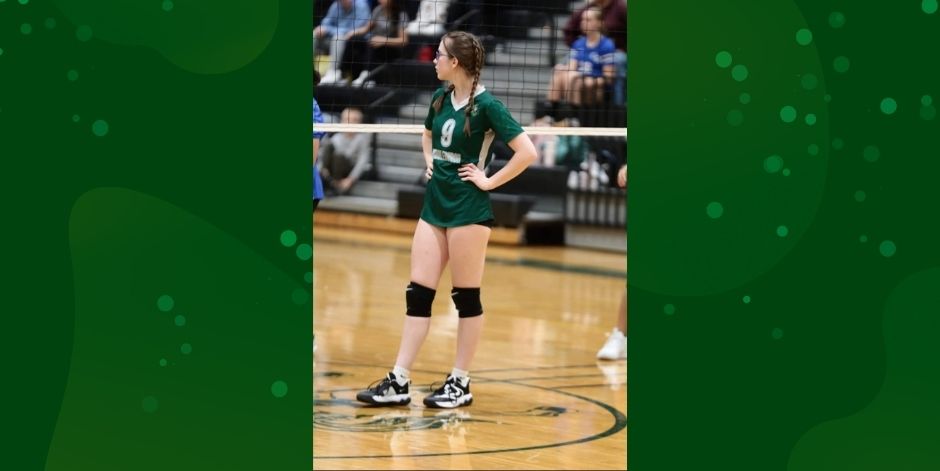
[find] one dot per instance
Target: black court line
(620, 423)
(539, 378)
(478, 380)
(523, 368)
(521, 262)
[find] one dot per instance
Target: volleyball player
(457, 217)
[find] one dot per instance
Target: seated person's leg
(592, 90)
(575, 87)
(325, 161)
(356, 56)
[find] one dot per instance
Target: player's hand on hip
(428, 172)
(470, 173)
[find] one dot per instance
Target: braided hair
(470, 55)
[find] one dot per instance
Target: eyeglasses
(438, 54)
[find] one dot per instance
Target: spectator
(589, 69)
(316, 136)
(431, 19)
(341, 19)
(345, 156)
(614, 14)
(381, 40)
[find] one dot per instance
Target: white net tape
(418, 129)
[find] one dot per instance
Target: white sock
(462, 375)
(401, 375)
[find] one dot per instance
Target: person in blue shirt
(589, 69)
(337, 26)
(317, 135)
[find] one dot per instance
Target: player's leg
(428, 258)
(467, 246)
(468, 255)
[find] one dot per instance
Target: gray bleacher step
(500, 84)
(394, 120)
(518, 69)
(544, 33)
(504, 58)
(521, 107)
(516, 73)
(412, 113)
(531, 45)
(543, 216)
(400, 141)
(400, 174)
(377, 189)
(360, 204)
(404, 158)
(524, 115)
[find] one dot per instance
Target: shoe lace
(446, 387)
(380, 385)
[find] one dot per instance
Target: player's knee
(467, 301)
(418, 299)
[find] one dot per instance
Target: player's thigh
(467, 246)
(428, 254)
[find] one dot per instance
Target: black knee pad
(418, 299)
(467, 301)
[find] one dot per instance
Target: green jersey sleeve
(429, 121)
(502, 122)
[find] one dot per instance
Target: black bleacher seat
(548, 185)
(376, 101)
(508, 210)
(408, 73)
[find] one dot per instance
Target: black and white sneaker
(386, 392)
(452, 394)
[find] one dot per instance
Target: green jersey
(449, 201)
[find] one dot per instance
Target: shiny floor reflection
(541, 399)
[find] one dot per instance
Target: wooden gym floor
(541, 399)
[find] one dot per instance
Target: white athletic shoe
(332, 76)
(615, 348)
(361, 79)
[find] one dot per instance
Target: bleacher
(530, 209)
